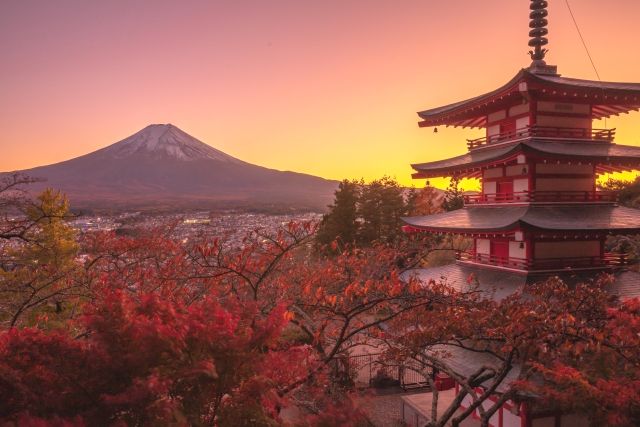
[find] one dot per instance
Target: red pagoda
(539, 212)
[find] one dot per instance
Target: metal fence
(369, 370)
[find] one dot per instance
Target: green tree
(35, 277)
(381, 207)
(453, 196)
(341, 223)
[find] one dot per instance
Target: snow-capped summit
(163, 166)
(167, 140)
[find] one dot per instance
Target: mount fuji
(163, 167)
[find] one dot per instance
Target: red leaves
(609, 401)
(179, 334)
(143, 360)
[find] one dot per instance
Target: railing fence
(369, 370)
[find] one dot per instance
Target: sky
(327, 88)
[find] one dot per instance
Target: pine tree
(453, 196)
(341, 224)
(381, 208)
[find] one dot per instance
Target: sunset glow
(327, 88)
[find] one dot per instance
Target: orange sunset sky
(328, 88)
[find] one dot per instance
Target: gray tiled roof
(543, 217)
(498, 284)
(593, 151)
(610, 89)
(466, 363)
(571, 82)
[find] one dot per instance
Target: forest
(101, 329)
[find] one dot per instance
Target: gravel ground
(383, 408)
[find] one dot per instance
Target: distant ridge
(164, 167)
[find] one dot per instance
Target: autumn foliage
(152, 330)
(146, 361)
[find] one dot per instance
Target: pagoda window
(489, 187)
(521, 185)
(518, 250)
(483, 246)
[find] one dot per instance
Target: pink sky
(329, 88)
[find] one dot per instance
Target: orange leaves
(396, 289)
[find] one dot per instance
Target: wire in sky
(582, 39)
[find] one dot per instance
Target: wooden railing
(542, 197)
(604, 135)
(608, 260)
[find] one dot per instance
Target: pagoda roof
(580, 217)
(620, 157)
(607, 98)
(498, 284)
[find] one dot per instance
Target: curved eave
(499, 284)
(608, 157)
(566, 219)
(469, 220)
(467, 165)
(607, 98)
(471, 112)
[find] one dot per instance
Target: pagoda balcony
(535, 131)
(543, 197)
(609, 260)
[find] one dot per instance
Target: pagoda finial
(538, 25)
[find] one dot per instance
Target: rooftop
(609, 157)
(607, 98)
(499, 284)
(573, 218)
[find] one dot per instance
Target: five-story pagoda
(539, 212)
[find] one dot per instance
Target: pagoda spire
(537, 33)
(538, 25)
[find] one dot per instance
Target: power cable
(586, 48)
(584, 43)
